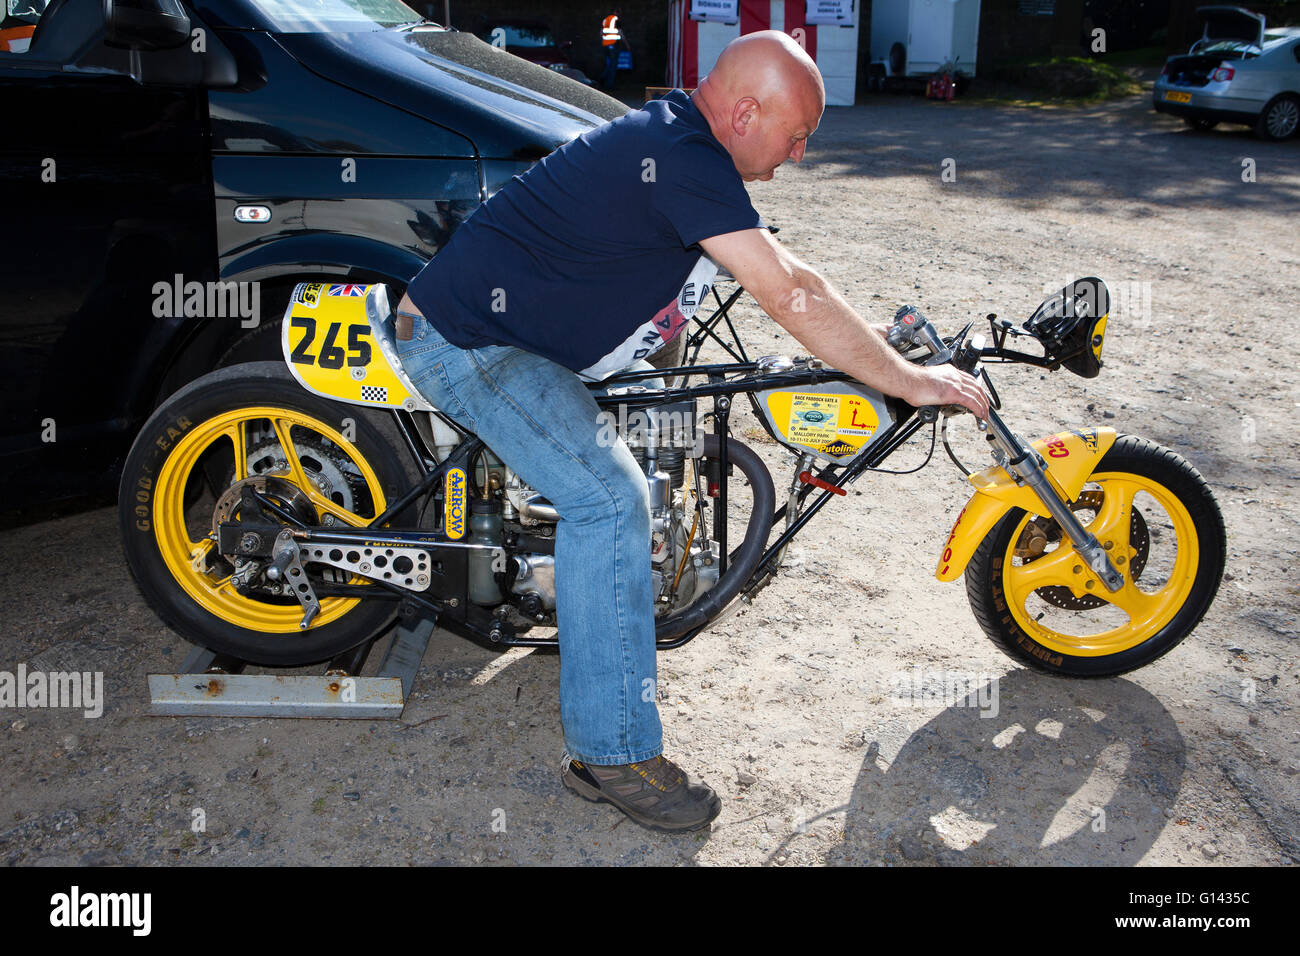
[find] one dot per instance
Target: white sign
(716, 11)
(838, 12)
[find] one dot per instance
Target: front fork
(1023, 464)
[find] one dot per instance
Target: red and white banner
(694, 46)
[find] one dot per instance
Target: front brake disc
(1044, 531)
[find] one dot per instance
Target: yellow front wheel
(331, 465)
(1038, 600)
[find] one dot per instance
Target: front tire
(1039, 602)
(341, 467)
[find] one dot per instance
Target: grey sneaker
(655, 793)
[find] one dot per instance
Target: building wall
(1006, 33)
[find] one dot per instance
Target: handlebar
(911, 328)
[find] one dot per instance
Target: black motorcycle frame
(723, 382)
(471, 621)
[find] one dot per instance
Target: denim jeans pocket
(424, 339)
(420, 328)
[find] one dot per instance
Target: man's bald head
(763, 98)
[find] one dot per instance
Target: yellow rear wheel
(293, 441)
(329, 464)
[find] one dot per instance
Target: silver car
(1235, 73)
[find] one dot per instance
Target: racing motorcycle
(285, 512)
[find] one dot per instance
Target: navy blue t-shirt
(590, 257)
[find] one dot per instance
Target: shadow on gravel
(1067, 773)
(1119, 151)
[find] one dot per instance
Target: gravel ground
(788, 708)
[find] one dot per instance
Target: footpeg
(286, 567)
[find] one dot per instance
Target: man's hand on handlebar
(945, 385)
(940, 384)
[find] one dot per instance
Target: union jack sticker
(345, 290)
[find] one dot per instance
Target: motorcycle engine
(684, 561)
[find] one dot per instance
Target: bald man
(580, 268)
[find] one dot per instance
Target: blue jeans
(541, 420)
(610, 75)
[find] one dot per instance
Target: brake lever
(965, 359)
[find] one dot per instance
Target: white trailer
(914, 38)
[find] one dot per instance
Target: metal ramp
(212, 685)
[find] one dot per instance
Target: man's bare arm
(814, 312)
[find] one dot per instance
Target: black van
(170, 170)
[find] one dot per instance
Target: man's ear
(743, 114)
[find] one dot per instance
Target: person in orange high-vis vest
(611, 37)
(610, 34)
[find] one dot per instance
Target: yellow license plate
(1175, 97)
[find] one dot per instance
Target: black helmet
(1072, 324)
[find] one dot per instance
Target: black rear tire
(897, 59)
